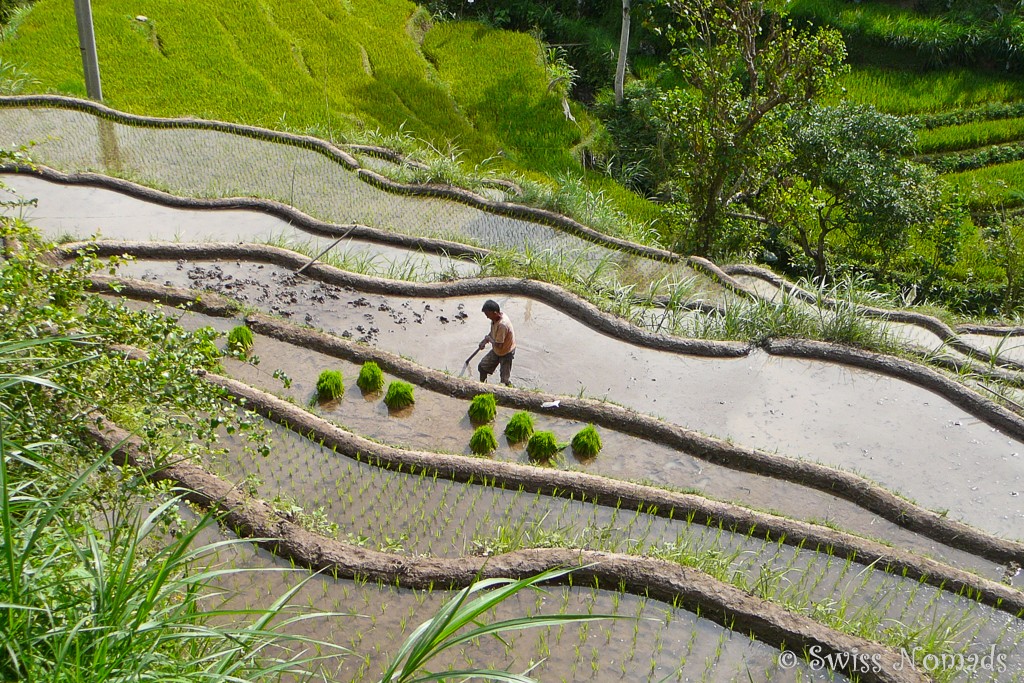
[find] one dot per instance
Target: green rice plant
(970, 135)
(907, 91)
(371, 379)
(483, 441)
(482, 408)
(240, 340)
(519, 427)
(399, 395)
(460, 621)
(330, 386)
(543, 446)
(587, 442)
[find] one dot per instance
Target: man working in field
(503, 344)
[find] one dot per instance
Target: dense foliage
(92, 588)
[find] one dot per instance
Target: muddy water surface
(204, 163)
(81, 212)
(905, 437)
(440, 423)
(415, 514)
(649, 642)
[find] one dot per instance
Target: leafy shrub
(482, 409)
(371, 379)
(483, 442)
(587, 442)
(543, 446)
(519, 428)
(399, 395)
(240, 339)
(330, 385)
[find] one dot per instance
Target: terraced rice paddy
(948, 458)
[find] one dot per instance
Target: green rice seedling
(586, 443)
(371, 379)
(482, 408)
(543, 446)
(240, 340)
(330, 386)
(519, 427)
(399, 395)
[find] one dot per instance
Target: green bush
(399, 395)
(330, 385)
(543, 446)
(371, 379)
(519, 428)
(587, 442)
(240, 339)
(483, 442)
(482, 409)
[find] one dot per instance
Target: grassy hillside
(333, 65)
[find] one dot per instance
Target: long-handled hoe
(465, 366)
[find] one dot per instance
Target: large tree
(746, 69)
(848, 173)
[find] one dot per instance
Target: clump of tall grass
(399, 395)
(330, 385)
(371, 379)
(519, 427)
(14, 81)
(482, 408)
(834, 317)
(483, 440)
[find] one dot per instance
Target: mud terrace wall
(600, 489)
(558, 298)
(847, 485)
(511, 210)
(657, 579)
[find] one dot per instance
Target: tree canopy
(746, 70)
(848, 172)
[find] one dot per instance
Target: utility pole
(620, 67)
(87, 44)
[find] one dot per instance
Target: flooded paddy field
(903, 436)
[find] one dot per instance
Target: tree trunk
(620, 67)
